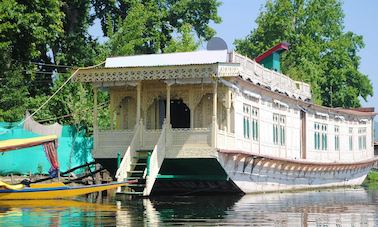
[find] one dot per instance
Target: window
(246, 113)
(337, 138)
(282, 129)
(362, 138)
(250, 118)
(255, 123)
(320, 136)
(350, 138)
(279, 129)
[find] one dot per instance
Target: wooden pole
(95, 118)
(228, 109)
(214, 118)
(168, 107)
(139, 85)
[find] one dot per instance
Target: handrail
(156, 159)
(125, 165)
(273, 79)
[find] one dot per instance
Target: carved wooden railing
(125, 165)
(275, 80)
(189, 143)
(150, 138)
(156, 159)
(225, 140)
(109, 142)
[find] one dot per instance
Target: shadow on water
(339, 207)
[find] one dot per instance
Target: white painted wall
(292, 149)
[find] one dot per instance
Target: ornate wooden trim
(151, 73)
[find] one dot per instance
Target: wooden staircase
(138, 167)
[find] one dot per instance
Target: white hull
(266, 175)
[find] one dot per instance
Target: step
(136, 171)
(138, 164)
(143, 151)
(139, 175)
(140, 158)
(133, 178)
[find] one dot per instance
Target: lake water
(337, 207)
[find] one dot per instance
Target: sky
(361, 17)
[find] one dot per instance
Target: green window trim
(256, 130)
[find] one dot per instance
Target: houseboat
(214, 121)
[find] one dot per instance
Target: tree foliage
(321, 52)
(149, 26)
(42, 41)
(185, 41)
(26, 30)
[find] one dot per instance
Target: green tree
(25, 27)
(321, 53)
(148, 26)
(36, 40)
(185, 42)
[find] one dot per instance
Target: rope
(52, 96)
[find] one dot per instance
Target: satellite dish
(216, 43)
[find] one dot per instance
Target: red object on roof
(278, 47)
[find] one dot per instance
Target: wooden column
(111, 110)
(191, 106)
(168, 107)
(215, 98)
(303, 136)
(95, 117)
(191, 117)
(228, 110)
(139, 85)
(214, 119)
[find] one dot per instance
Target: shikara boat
(45, 190)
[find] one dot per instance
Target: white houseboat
(216, 121)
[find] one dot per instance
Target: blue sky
(361, 17)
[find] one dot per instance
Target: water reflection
(55, 213)
(342, 207)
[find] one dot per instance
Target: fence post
(148, 163)
(118, 160)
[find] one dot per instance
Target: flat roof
(181, 58)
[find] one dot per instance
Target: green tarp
(34, 160)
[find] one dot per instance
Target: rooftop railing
(276, 81)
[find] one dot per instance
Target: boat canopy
(50, 146)
(14, 144)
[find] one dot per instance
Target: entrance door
(161, 112)
(180, 114)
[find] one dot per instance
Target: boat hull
(55, 192)
(254, 173)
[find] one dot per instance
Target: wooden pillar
(191, 106)
(95, 117)
(215, 98)
(139, 85)
(111, 110)
(191, 117)
(228, 111)
(214, 118)
(303, 136)
(168, 107)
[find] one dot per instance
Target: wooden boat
(53, 191)
(45, 190)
